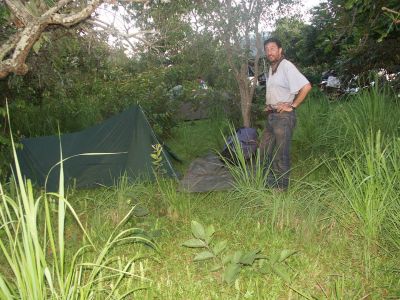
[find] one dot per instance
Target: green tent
(127, 139)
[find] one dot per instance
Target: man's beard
(275, 60)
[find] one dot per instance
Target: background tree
(23, 22)
(357, 36)
(237, 25)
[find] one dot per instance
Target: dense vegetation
(334, 235)
(76, 79)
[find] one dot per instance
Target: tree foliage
(353, 37)
(357, 36)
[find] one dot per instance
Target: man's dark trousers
(275, 146)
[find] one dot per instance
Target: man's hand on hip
(284, 106)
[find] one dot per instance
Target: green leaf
(349, 4)
(4, 140)
(236, 257)
(198, 230)
(203, 256)
(285, 254)
(36, 46)
(266, 269)
(216, 268)
(249, 257)
(261, 256)
(231, 273)
(226, 259)
(209, 233)
(194, 243)
(274, 258)
(281, 272)
(219, 247)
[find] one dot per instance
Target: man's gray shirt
(284, 84)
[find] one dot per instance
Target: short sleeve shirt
(284, 84)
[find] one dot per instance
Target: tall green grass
(33, 246)
(176, 203)
(365, 169)
(392, 223)
(371, 110)
(362, 183)
(325, 127)
(367, 180)
(358, 138)
(248, 174)
(316, 127)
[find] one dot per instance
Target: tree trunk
(246, 98)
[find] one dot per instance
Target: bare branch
(113, 31)
(396, 20)
(13, 53)
(126, 36)
(391, 11)
(20, 44)
(19, 11)
(72, 19)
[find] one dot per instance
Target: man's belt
(271, 109)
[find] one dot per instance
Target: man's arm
(301, 95)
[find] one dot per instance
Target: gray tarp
(206, 174)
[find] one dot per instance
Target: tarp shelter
(207, 174)
(211, 173)
(128, 136)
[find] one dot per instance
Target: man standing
(286, 90)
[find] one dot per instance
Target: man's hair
(273, 40)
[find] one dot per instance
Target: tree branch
(19, 11)
(72, 19)
(13, 53)
(113, 31)
(396, 19)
